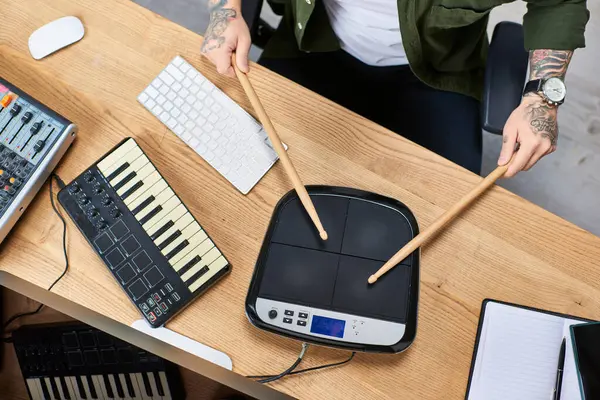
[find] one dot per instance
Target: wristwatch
(552, 90)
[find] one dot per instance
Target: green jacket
(445, 40)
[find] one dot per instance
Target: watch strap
(533, 86)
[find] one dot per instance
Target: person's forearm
(221, 14)
(544, 64)
(548, 63)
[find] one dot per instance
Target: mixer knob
(75, 188)
(84, 200)
(102, 225)
(26, 117)
(15, 110)
(115, 213)
(99, 190)
(107, 201)
(89, 177)
(94, 212)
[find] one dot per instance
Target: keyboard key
(216, 266)
(117, 384)
(151, 92)
(145, 384)
(34, 389)
(45, 389)
(165, 385)
(54, 388)
(175, 73)
(178, 61)
(63, 388)
(193, 95)
(79, 387)
(155, 384)
(106, 387)
(129, 385)
(92, 386)
(166, 78)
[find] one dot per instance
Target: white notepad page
(517, 356)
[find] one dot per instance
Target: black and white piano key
(167, 236)
(104, 384)
(133, 162)
(173, 205)
(155, 225)
(109, 164)
(72, 392)
(148, 172)
(182, 242)
(213, 268)
(45, 389)
(34, 389)
(144, 192)
(164, 203)
(123, 164)
(78, 387)
(139, 184)
(200, 244)
(86, 387)
(53, 388)
(115, 384)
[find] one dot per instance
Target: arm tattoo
(219, 21)
(542, 118)
(547, 63)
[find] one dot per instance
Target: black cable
(346, 361)
(291, 370)
(271, 378)
(61, 184)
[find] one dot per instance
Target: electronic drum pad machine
(317, 291)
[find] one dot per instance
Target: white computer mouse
(54, 36)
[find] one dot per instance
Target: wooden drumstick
(441, 222)
(279, 149)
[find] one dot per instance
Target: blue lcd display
(328, 326)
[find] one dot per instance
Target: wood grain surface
(503, 247)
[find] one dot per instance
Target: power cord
(61, 184)
(291, 370)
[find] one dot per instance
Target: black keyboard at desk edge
(72, 357)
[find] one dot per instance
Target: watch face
(554, 89)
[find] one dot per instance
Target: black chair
(505, 71)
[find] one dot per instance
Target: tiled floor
(568, 182)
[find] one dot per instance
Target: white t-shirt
(368, 30)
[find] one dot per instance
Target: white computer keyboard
(211, 123)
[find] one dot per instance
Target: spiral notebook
(516, 354)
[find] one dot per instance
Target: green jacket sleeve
(555, 24)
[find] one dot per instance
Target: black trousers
(444, 122)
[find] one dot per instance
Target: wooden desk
(503, 247)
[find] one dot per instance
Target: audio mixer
(149, 240)
(33, 139)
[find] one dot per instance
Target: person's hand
(227, 32)
(533, 129)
